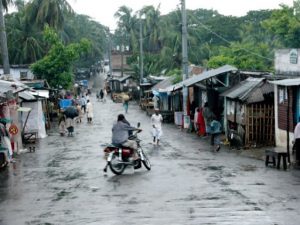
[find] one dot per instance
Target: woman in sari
(201, 123)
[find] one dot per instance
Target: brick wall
(283, 110)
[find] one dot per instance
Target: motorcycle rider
(120, 134)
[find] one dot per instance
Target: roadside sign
(13, 129)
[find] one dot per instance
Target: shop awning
(14, 87)
(24, 109)
(287, 82)
(40, 93)
(26, 95)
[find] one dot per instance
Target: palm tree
(25, 41)
(49, 12)
(128, 23)
(151, 28)
(170, 36)
(3, 39)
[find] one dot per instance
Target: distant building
(119, 61)
(286, 94)
(287, 62)
(19, 72)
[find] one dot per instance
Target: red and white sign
(13, 129)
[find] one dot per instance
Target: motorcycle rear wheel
(146, 162)
(115, 166)
(137, 164)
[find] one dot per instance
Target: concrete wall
(16, 72)
(283, 64)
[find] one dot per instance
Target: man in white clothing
(297, 142)
(90, 111)
(156, 121)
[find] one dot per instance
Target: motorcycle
(3, 157)
(119, 157)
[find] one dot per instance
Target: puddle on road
(74, 176)
(37, 222)
(234, 192)
(213, 168)
(62, 194)
(52, 173)
(213, 198)
(258, 184)
(248, 168)
(53, 163)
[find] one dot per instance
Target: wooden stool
(276, 154)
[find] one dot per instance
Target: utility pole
(141, 52)
(3, 40)
(109, 58)
(184, 56)
(122, 49)
(122, 59)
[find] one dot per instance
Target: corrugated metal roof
(250, 90)
(242, 90)
(208, 74)
(203, 76)
(122, 79)
(287, 82)
(26, 95)
(161, 86)
(6, 86)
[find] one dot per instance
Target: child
(62, 124)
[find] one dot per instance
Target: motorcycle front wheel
(116, 166)
(146, 162)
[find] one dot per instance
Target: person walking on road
(156, 121)
(80, 114)
(62, 124)
(101, 95)
(83, 103)
(215, 129)
(201, 123)
(90, 111)
(104, 95)
(208, 117)
(126, 103)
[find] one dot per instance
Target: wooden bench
(276, 154)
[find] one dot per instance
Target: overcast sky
(103, 10)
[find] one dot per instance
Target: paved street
(63, 182)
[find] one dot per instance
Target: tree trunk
(3, 42)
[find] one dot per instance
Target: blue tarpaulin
(64, 103)
(84, 83)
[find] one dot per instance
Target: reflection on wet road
(63, 182)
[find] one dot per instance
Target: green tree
(51, 12)
(56, 66)
(80, 26)
(151, 28)
(285, 26)
(245, 56)
(127, 28)
(24, 40)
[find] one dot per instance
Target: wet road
(63, 182)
